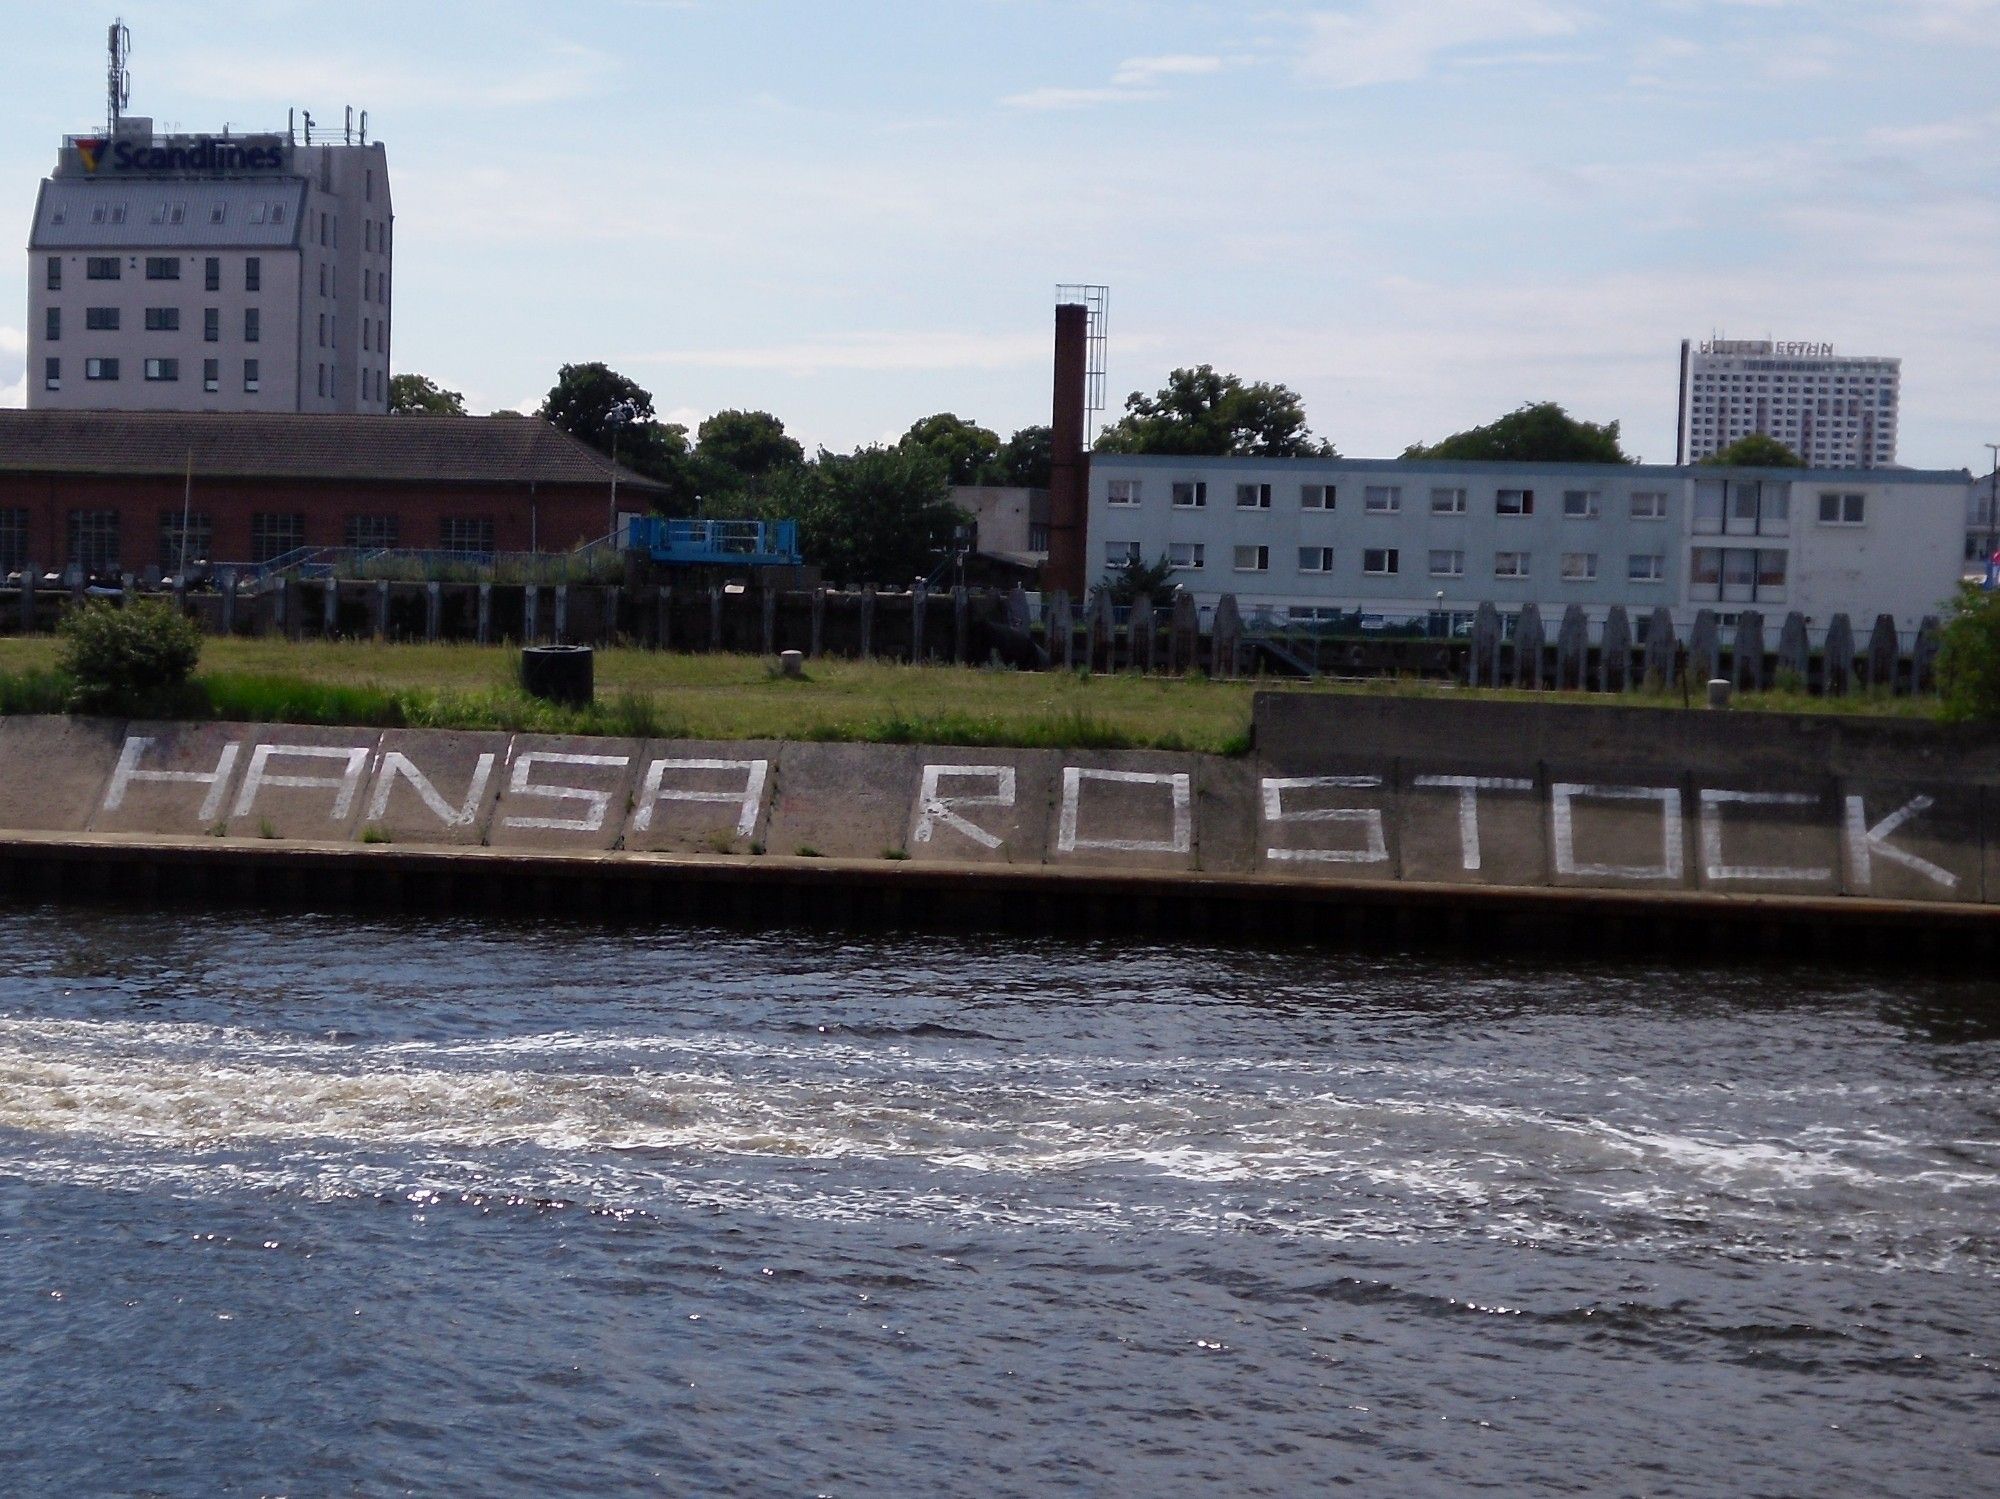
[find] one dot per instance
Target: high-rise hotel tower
(1834, 411)
(223, 272)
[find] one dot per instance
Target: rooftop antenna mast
(117, 81)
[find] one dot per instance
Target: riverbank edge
(773, 891)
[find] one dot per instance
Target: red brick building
(109, 490)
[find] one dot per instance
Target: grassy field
(740, 697)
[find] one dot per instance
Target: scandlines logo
(90, 151)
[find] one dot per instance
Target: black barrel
(559, 674)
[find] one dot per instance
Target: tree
(880, 515)
(1027, 458)
(419, 395)
(740, 450)
(1758, 450)
(581, 402)
(1540, 432)
(1200, 413)
(1968, 663)
(970, 453)
(1129, 579)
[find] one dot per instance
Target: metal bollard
(1719, 690)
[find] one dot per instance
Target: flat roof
(1505, 468)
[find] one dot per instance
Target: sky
(1418, 214)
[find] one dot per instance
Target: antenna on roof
(117, 81)
(309, 125)
(349, 136)
(364, 127)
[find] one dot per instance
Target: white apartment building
(211, 273)
(1305, 540)
(1834, 411)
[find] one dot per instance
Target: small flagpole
(187, 500)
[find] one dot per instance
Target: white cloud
(1134, 80)
(14, 397)
(869, 351)
(12, 340)
(1391, 41)
(560, 72)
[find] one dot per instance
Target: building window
(100, 369)
(1253, 497)
(101, 268)
(253, 325)
(52, 325)
(277, 213)
(322, 380)
(1737, 575)
(163, 320)
(1038, 534)
(1315, 559)
(1253, 559)
(1510, 564)
(1447, 502)
(1316, 496)
(251, 381)
(474, 533)
(211, 273)
(217, 213)
(1646, 567)
(51, 374)
(372, 533)
(93, 540)
(367, 284)
(253, 273)
(211, 325)
(211, 375)
(1758, 508)
(1191, 494)
(1448, 564)
(163, 369)
(1122, 492)
(54, 280)
(180, 545)
(101, 319)
(1382, 499)
(1579, 567)
(1118, 553)
(1842, 509)
(1192, 555)
(1514, 502)
(273, 534)
(1649, 505)
(322, 330)
(1581, 504)
(163, 268)
(1381, 562)
(322, 279)
(13, 540)
(257, 212)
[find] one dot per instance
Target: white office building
(1305, 540)
(211, 273)
(1834, 411)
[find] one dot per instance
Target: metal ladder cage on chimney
(1097, 300)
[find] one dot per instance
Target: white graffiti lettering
(217, 780)
(748, 802)
(1178, 786)
(1718, 868)
(1375, 845)
(346, 784)
(1562, 827)
(1866, 844)
(1468, 789)
(937, 808)
(598, 802)
(395, 763)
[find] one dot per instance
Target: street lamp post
(616, 418)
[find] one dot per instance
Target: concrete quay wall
(1364, 798)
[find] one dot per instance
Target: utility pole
(617, 417)
(1993, 517)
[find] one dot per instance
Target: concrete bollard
(1719, 690)
(792, 663)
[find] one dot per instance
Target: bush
(130, 660)
(1968, 667)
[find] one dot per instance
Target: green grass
(651, 694)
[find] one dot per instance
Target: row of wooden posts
(976, 625)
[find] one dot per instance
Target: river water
(313, 1205)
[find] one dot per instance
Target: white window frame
(1518, 569)
(1187, 556)
(1524, 502)
(1259, 559)
(1123, 493)
(1382, 499)
(1579, 567)
(1118, 553)
(1656, 507)
(1843, 502)
(1253, 497)
(1454, 562)
(1321, 559)
(1656, 573)
(1590, 504)
(1391, 558)
(1318, 496)
(1447, 501)
(1196, 491)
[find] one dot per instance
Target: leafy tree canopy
(970, 453)
(1539, 432)
(581, 401)
(1129, 579)
(1027, 457)
(1758, 450)
(1202, 413)
(418, 395)
(880, 515)
(740, 449)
